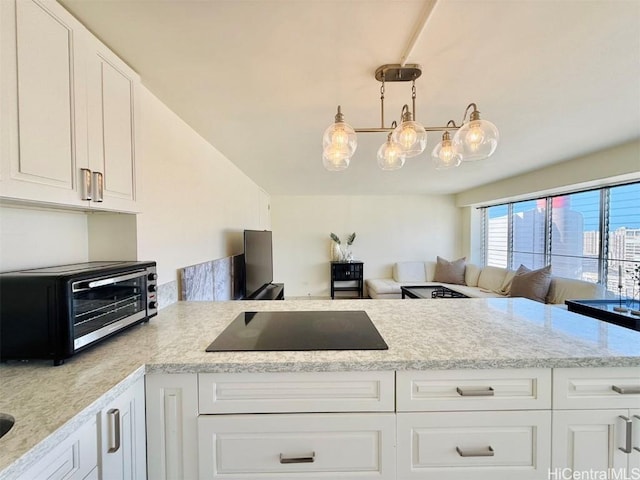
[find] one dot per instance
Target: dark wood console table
(351, 272)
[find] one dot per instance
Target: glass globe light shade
(476, 140)
(340, 134)
(390, 156)
(412, 138)
(336, 158)
(445, 155)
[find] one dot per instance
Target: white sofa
(480, 282)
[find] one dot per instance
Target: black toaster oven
(55, 312)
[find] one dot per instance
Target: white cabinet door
(297, 446)
(172, 428)
(111, 101)
(586, 440)
(122, 436)
(634, 456)
(43, 108)
(75, 458)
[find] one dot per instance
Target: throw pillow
(533, 284)
(450, 272)
(505, 288)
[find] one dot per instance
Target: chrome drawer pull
(626, 390)
(488, 452)
(114, 430)
(290, 459)
(475, 392)
(627, 435)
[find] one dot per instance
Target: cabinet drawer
(313, 446)
(470, 445)
(441, 390)
(73, 459)
(296, 392)
(584, 388)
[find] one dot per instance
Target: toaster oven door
(102, 306)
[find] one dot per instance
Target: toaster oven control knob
(153, 305)
(152, 276)
(153, 288)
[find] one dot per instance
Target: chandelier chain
(413, 98)
(382, 102)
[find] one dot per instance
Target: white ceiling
(261, 79)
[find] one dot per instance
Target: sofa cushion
(562, 289)
(505, 288)
(430, 270)
(491, 278)
(450, 272)
(472, 292)
(533, 284)
(471, 275)
(409, 272)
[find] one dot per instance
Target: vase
(345, 254)
(336, 252)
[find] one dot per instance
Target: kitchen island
(51, 402)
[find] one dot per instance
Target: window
(496, 236)
(624, 238)
(529, 234)
(592, 235)
(575, 235)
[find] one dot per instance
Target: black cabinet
(349, 277)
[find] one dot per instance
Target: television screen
(258, 261)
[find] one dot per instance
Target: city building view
(567, 232)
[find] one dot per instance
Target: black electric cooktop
(299, 331)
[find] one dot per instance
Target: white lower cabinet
(75, 458)
(297, 446)
(596, 424)
(123, 454)
(172, 430)
(596, 440)
(474, 445)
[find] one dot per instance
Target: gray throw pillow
(533, 284)
(450, 272)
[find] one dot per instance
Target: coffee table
(431, 291)
(604, 310)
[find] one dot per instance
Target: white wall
(388, 228)
(31, 237)
(195, 203)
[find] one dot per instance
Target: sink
(6, 423)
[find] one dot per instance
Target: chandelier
(474, 139)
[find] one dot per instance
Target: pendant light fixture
(477, 139)
(390, 154)
(339, 143)
(474, 139)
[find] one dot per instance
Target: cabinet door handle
(476, 452)
(85, 184)
(475, 391)
(637, 449)
(627, 435)
(298, 459)
(97, 187)
(113, 416)
(626, 390)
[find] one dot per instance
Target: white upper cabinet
(68, 112)
(111, 97)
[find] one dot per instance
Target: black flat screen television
(258, 261)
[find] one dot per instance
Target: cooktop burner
(299, 331)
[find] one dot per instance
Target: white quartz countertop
(50, 402)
